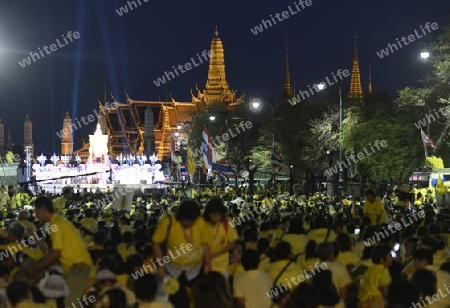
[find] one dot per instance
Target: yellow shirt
(35, 254)
(297, 241)
(264, 262)
(179, 237)
(235, 269)
(20, 199)
(220, 238)
(89, 223)
(320, 235)
(293, 270)
(66, 238)
(307, 264)
(59, 204)
(373, 281)
(347, 258)
(373, 209)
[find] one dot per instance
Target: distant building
(67, 136)
(28, 135)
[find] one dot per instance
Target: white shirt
(252, 286)
(339, 275)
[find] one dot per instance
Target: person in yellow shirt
(223, 236)
(268, 201)
(376, 280)
(20, 199)
(88, 222)
(373, 207)
(186, 236)
(67, 247)
(59, 204)
(296, 236)
(284, 271)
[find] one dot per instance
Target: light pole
(341, 171)
(320, 87)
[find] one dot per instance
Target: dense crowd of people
(206, 249)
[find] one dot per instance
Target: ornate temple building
(138, 126)
(356, 92)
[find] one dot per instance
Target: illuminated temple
(356, 92)
(138, 126)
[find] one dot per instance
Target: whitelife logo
(390, 228)
(360, 156)
(124, 9)
(187, 67)
(225, 137)
(266, 24)
(53, 47)
(148, 269)
(429, 118)
(302, 95)
(391, 48)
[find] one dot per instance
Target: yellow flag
(190, 162)
(440, 188)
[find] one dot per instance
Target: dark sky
(134, 49)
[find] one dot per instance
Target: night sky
(134, 49)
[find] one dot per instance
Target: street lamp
(321, 86)
(425, 55)
(255, 104)
(212, 118)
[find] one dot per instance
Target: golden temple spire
(216, 32)
(369, 89)
(287, 90)
(216, 85)
(355, 81)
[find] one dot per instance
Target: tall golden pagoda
(287, 90)
(217, 88)
(356, 92)
(369, 88)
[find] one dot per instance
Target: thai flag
(183, 171)
(276, 160)
(209, 156)
(221, 177)
(426, 140)
(224, 170)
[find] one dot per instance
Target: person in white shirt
(250, 287)
(340, 276)
(239, 201)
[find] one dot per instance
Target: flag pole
(424, 145)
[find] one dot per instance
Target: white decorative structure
(98, 147)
